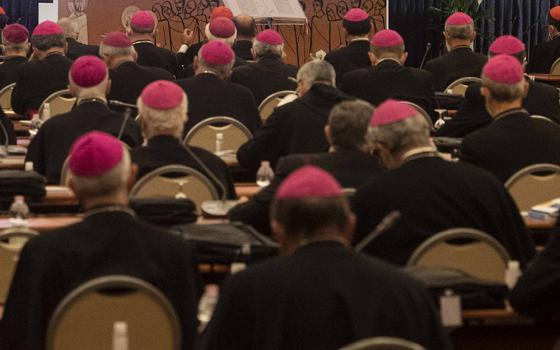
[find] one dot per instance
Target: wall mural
(323, 31)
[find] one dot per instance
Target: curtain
(25, 12)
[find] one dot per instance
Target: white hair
(156, 122)
(316, 72)
(107, 51)
(403, 135)
(463, 32)
(504, 92)
(222, 71)
(262, 49)
(230, 41)
(70, 28)
(15, 46)
(97, 91)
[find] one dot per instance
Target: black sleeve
(19, 101)
(7, 130)
(36, 149)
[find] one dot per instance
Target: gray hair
(316, 72)
(463, 32)
(504, 92)
(222, 71)
(348, 123)
(112, 51)
(388, 52)
(403, 135)
(156, 122)
(230, 41)
(262, 49)
(15, 46)
(70, 27)
(109, 183)
(46, 42)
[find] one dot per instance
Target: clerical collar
(389, 59)
(461, 47)
(511, 112)
(93, 99)
(359, 39)
(208, 72)
(319, 239)
(54, 53)
(109, 209)
(143, 42)
(419, 152)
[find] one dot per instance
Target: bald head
(246, 27)
(70, 28)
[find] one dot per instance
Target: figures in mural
(317, 24)
(77, 9)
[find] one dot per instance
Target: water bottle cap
(513, 264)
(18, 198)
(120, 327)
(28, 166)
(265, 162)
(219, 136)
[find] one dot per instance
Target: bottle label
(450, 309)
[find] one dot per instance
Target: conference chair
(542, 117)
(422, 112)
(59, 102)
(204, 135)
(6, 98)
(98, 310)
(534, 185)
(469, 250)
(383, 343)
(12, 241)
(555, 68)
(460, 86)
(176, 181)
(268, 104)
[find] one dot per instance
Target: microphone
(210, 173)
(122, 104)
(428, 47)
(388, 221)
(127, 114)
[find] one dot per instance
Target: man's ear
(373, 58)
(195, 62)
(350, 228)
(484, 91)
(132, 177)
(279, 232)
(403, 58)
(327, 130)
(108, 88)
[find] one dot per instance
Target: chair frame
(114, 281)
(278, 94)
(554, 66)
(531, 169)
(542, 117)
(381, 343)
(462, 81)
(422, 112)
(3, 91)
(50, 98)
(18, 231)
(218, 119)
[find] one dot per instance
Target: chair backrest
(86, 317)
(469, 250)
(59, 102)
(64, 173)
(542, 117)
(203, 134)
(268, 104)
(12, 241)
(6, 97)
(422, 112)
(176, 181)
(383, 343)
(555, 68)
(460, 86)
(534, 184)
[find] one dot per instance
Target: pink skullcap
(88, 71)
(507, 45)
(309, 181)
(94, 154)
(15, 33)
(459, 19)
(117, 39)
(222, 27)
(387, 38)
(162, 95)
(391, 111)
(221, 11)
(555, 13)
(503, 69)
(356, 15)
(48, 28)
(217, 53)
(270, 37)
(142, 20)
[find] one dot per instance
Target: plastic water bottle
(120, 335)
(512, 274)
(207, 305)
(19, 212)
(46, 114)
(219, 143)
(264, 174)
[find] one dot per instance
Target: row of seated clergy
(546, 53)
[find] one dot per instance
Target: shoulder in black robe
(242, 48)
(459, 63)
(76, 49)
(7, 130)
(9, 70)
(349, 58)
(150, 55)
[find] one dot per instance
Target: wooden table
(12, 163)
(59, 195)
(44, 223)
(246, 189)
(546, 78)
(23, 141)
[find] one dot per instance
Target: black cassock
(434, 195)
(76, 49)
(150, 55)
(38, 79)
(242, 48)
(107, 243)
(512, 142)
(8, 70)
(265, 77)
(349, 58)
(543, 56)
(49, 148)
(167, 150)
(459, 63)
(6, 130)
(324, 296)
(542, 99)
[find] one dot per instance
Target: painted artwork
(322, 32)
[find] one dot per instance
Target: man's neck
(460, 45)
(495, 109)
(244, 39)
(53, 50)
(14, 53)
(389, 59)
(117, 61)
(325, 235)
(142, 37)
(120, 199)
(351, 38)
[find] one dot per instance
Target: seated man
(460, 61)
(269, 74)
(541, 99)
(389, 78)
(163, 112)
(349, 160)
(320, 294)
(15, 39)
(89, 82)
(128, 79)
(7, 132)
(109, 240)
(431, 194)
(514, 140)
(75, 48)
(212, 95)
(296, 127)
(246, 32)
(46, 73)
(545, 54)
(356, 26)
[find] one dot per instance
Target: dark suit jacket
(323, 296)
(8, 70)
(296, 127)
(265, 77)
(188, 71)
(186, 59)
(349, 58)
(351, 169)
(129, 79)
(242, 48)
(210, 96)
(459, 63)
(544, 55)
(391, 80)
(434, 195)
(511, 143)
(542, 99)
(151, 55)
(49, 148)
(7, 130)
(166, 150)
(76, 49)
(53, 264)
(37, 80)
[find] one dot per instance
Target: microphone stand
(388, 221)
(428, 47)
